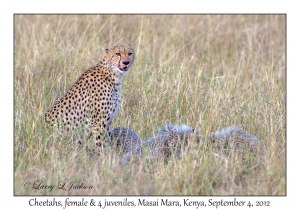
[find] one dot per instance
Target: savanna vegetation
(210, 71)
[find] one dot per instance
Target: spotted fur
(128, 143)
(155, 147)
(170, 139)
(94, 100)
(237, 139)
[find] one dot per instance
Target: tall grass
(210, 71)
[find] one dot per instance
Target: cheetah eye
(129, 54)
(118, 54)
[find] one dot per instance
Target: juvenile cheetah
(171, 138)
(94, 99)
(237, 139)
(128, 143)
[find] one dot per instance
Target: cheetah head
(120, 58)
(195, 135)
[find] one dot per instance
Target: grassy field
(209, 71)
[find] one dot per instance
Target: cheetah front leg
(101, 135)
(97, 129)
(101, 139)
(97, 124)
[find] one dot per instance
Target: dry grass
(210, 71)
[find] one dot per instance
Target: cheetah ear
(196, 129)
(105, 50)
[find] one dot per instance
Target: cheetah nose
(125, 62)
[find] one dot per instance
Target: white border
(153, 6)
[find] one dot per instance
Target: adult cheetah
(94, 99)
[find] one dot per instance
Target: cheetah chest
(116, 100)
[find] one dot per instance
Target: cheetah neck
(112, 73)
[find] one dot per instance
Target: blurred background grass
(210, 71)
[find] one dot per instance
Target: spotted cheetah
(155, 147)
(237, 139)
(128, 143)
(170, 139)
(94, 100)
